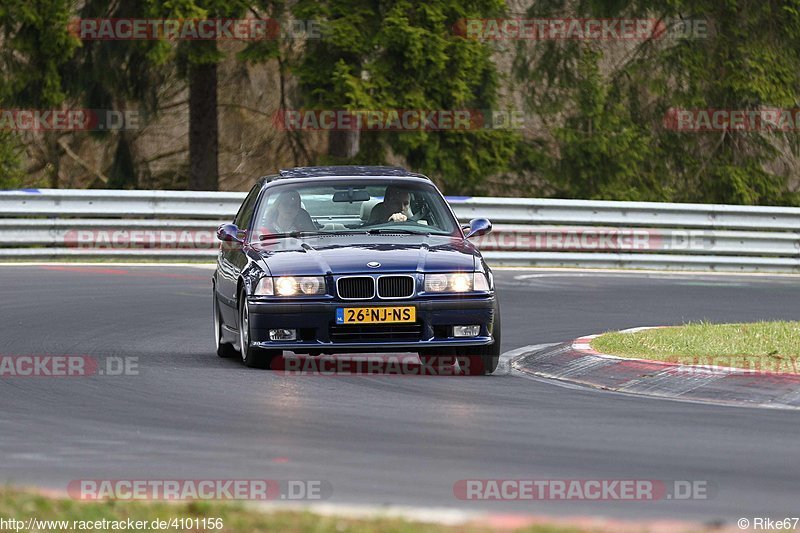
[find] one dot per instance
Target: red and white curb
(576, 362)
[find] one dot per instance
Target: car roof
(343, 171)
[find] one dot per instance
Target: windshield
(342, 206)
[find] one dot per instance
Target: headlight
(290, 286)
(456, 282)
(264, 287)
(481, 282)
(306, 285)
(311, 285)
(436, 282)
(461, 282)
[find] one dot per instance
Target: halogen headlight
(264, 287)
(286, 286)
(312, 285)
(454, 282)
(461, 282)
(435, 282)
(306, 285)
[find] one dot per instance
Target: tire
(224, 349)
(439, 364)
(478, 365)
(252, 357)
(482, 360)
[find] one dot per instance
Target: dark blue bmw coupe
(353, 259)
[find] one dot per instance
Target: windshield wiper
(294, 234)
(375, 231)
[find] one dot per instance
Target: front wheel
(252, 357)
(482, 364)
(481, 360)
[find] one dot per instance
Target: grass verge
(23, 505)
(759, 346)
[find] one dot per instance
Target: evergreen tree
(396, 55)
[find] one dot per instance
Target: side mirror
(228, 233)
(479, 226)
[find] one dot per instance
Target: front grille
(395, 286)
(376, 333)
(356, 288)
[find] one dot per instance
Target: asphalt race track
(382, 439)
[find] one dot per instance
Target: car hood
(349, 254)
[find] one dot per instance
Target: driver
(287, 215)
(393, 208)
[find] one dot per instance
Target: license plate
(375, 315)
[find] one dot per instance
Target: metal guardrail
(175, 225)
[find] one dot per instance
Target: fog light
(466, 331)
(282, 334)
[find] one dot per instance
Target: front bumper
(318, 332)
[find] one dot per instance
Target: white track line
(432, 515)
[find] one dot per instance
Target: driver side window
(245, 214)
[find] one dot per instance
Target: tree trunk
(343, 144)
(122, 174)
(203, 128)
(54, 152)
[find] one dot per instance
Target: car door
(232, 258)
